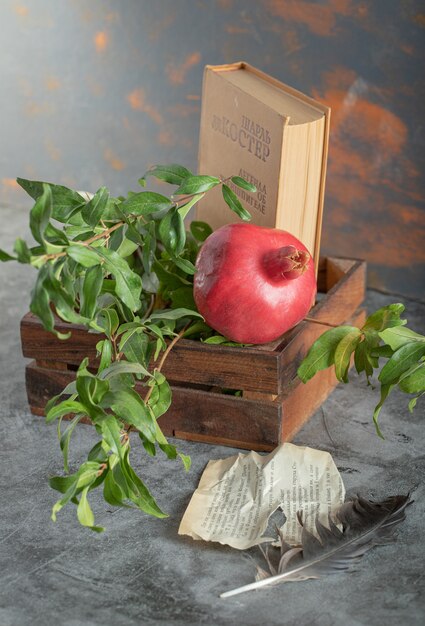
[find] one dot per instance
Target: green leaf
(112, 492)
(68, 495)
(94, 209)
(149, 446)
(155, 330)
(196, 184)
(128, 284)
(85, 514)
(372, 341)
(104, 350)
(129, 406)
(381, 351)
(183, 298)
(160, 399)
(111, 433)
(40, 215)
(4, 256)
(65, 201)
(148, 247)
(62, 483)
(97, 453)
(223, 341)
(85, 256)
(118, 368)
(200, 230)
(127, 247)
(64, 408)
(361, 362)
(112, 212)
(172, 233)
(343, 352)
(92, 285)
(134, 343)
(243, 184)
(145, 203)
(386, 317)
(414, 381)
(186, 460)
(40, 302)
(134, 325)
(63, 300)
(399, 335)
(109, 321)
(85, 476)
(184, 264)
(169, 279)
(402, 359)
(385, 391)
(90, 391)
(139, 493)
(168, 449)
(65, 439)
(150, 282)
(22, 251)
(197, 328)
(216, 340)
(322, 352)
(413, 402)
(174, 314)
(185, 208)
(56, 236)
(173, 173)
(70, 390)
(234, 204)
(131, 232)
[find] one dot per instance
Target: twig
(104, 233)
(150, 307)
(165, 355)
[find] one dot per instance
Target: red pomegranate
(252, 283)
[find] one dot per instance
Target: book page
(236, 496)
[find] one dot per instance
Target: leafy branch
(123, 268)
(383, 336)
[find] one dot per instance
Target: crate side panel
(188, 362)
(214, 418)
(300, 400)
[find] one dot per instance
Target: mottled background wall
(94, 91)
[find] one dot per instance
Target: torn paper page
(236, 496)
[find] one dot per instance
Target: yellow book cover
(274, 136)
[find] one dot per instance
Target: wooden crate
(274, 402)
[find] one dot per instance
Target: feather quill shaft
(365, 524)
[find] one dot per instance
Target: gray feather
(364, 524)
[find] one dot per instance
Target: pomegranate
(252, 283)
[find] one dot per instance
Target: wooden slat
(189, 361)
(300, 401)
(194, 414)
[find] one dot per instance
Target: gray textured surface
(139, 570)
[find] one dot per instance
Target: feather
(364, 523)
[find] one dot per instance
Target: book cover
(274, 136)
